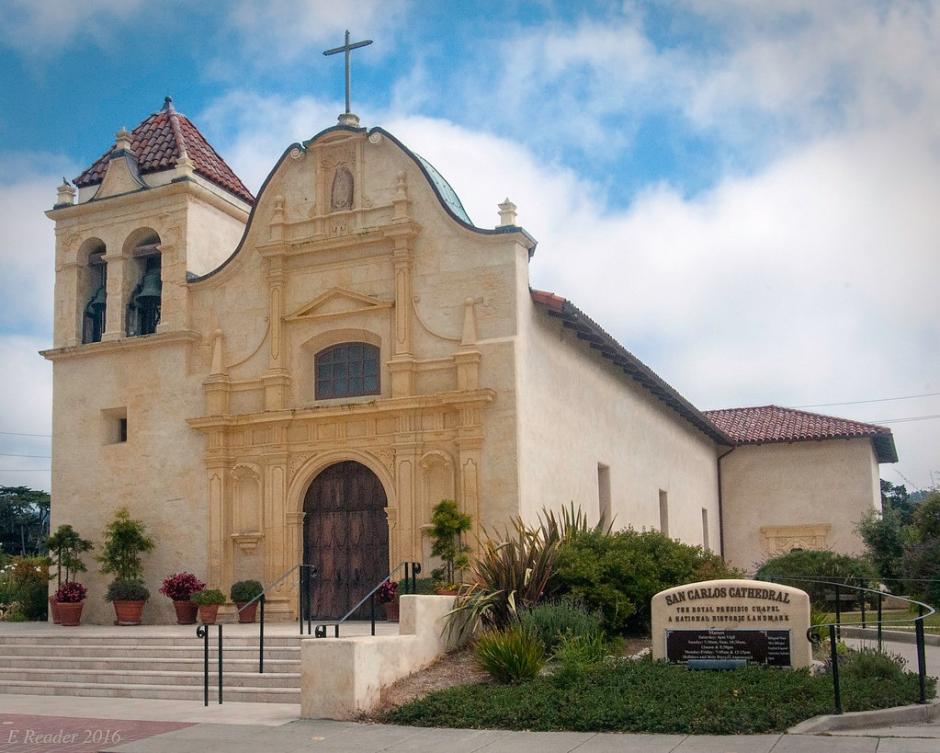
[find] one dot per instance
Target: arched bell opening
(145, 299)
(93, 290)
(345, 538)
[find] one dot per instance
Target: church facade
(300, 377)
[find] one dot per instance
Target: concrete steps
(148, 666)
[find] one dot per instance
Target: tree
(448, 525)
(884, 535)
(24, 520)
(922, 550)
(895, 497)
(125, 539)
(65, 548)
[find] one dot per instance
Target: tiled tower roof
(163, 138)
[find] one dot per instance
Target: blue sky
(743, 193)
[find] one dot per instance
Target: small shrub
(127, 590)
(552, 621)
(510, 655)
(800, 568)
(71, 592)
(125, 539)
(25, 581)
(425, 586)
(208, 597)
(244, 591)
(872, 665)
(448, 526)
(181, 586)
(578, 653)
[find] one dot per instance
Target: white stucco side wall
(578, 411)
(807, 494)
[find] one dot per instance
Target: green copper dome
(448, 194)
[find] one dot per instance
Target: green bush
(244, 591)
(25, 582)
(511, 655)
(619, 573)
(552, 621)
(208, 597)
(872, 665)
(127, 590)
(788, 568)
(125, 539)
(654, 697)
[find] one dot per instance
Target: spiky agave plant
(513, 571)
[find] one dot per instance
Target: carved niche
(341, 194)
(246, 507)
(783, 539)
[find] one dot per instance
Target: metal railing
(308, 572)
(835, 628)
(411, 570)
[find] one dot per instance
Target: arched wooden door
(345, 538)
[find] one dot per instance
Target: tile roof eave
(589, 330)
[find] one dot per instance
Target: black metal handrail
(835, 628)
(411, 570)
(202, 631)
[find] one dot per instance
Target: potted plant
(125, 539)
(448, 525)
(65, 547)
(387, 596)
(209, 600)
(70, 598)
(180, 588)
(245, 591)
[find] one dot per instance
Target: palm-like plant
(513, 571)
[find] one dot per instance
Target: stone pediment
(338, 302)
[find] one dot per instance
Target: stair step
(168, 692)
(63, 639)
(146, 652)
(272, 666)
(284, 680)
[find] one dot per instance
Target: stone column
(116, 310)
(218, 541)
(174, 296)
(275, 379)
(469, 451)
(69, 310)
(276, 561)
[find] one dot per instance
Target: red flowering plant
(181, 586)
(71, 592)
(387, 592)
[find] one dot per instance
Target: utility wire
(14, 455)
(876, 400)
(903, 420)
(21, 434)
(25, 470)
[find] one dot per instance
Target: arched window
(347, 370)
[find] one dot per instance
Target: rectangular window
(663, 513)
(603, 494)
(705, 529)
(114, 425)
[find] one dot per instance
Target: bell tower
(160, 205)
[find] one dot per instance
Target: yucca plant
(510, 655)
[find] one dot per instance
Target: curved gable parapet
(446, 196)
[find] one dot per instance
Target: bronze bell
(150, 288)
(98, 300)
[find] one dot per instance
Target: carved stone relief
(341, 195)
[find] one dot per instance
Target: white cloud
(43, 29)
(284, 30)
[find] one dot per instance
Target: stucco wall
(578, 411)
(831, 483)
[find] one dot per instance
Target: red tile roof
(160, 140)
(590, 331)
(771, 423)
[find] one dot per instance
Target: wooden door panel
(345, 537)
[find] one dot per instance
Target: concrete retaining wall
(344, 677)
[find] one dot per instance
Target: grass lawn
(894, 619)
(646, 696)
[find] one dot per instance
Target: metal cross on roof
(347, 48)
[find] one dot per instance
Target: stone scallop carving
(341, 195)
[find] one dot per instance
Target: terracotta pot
(128, 612)
(70, 613)
(248, 614)
(54, 610)
(391, 610)
(208, 613)
(185, 612)
(446, 591)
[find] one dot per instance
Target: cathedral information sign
(762, 623)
